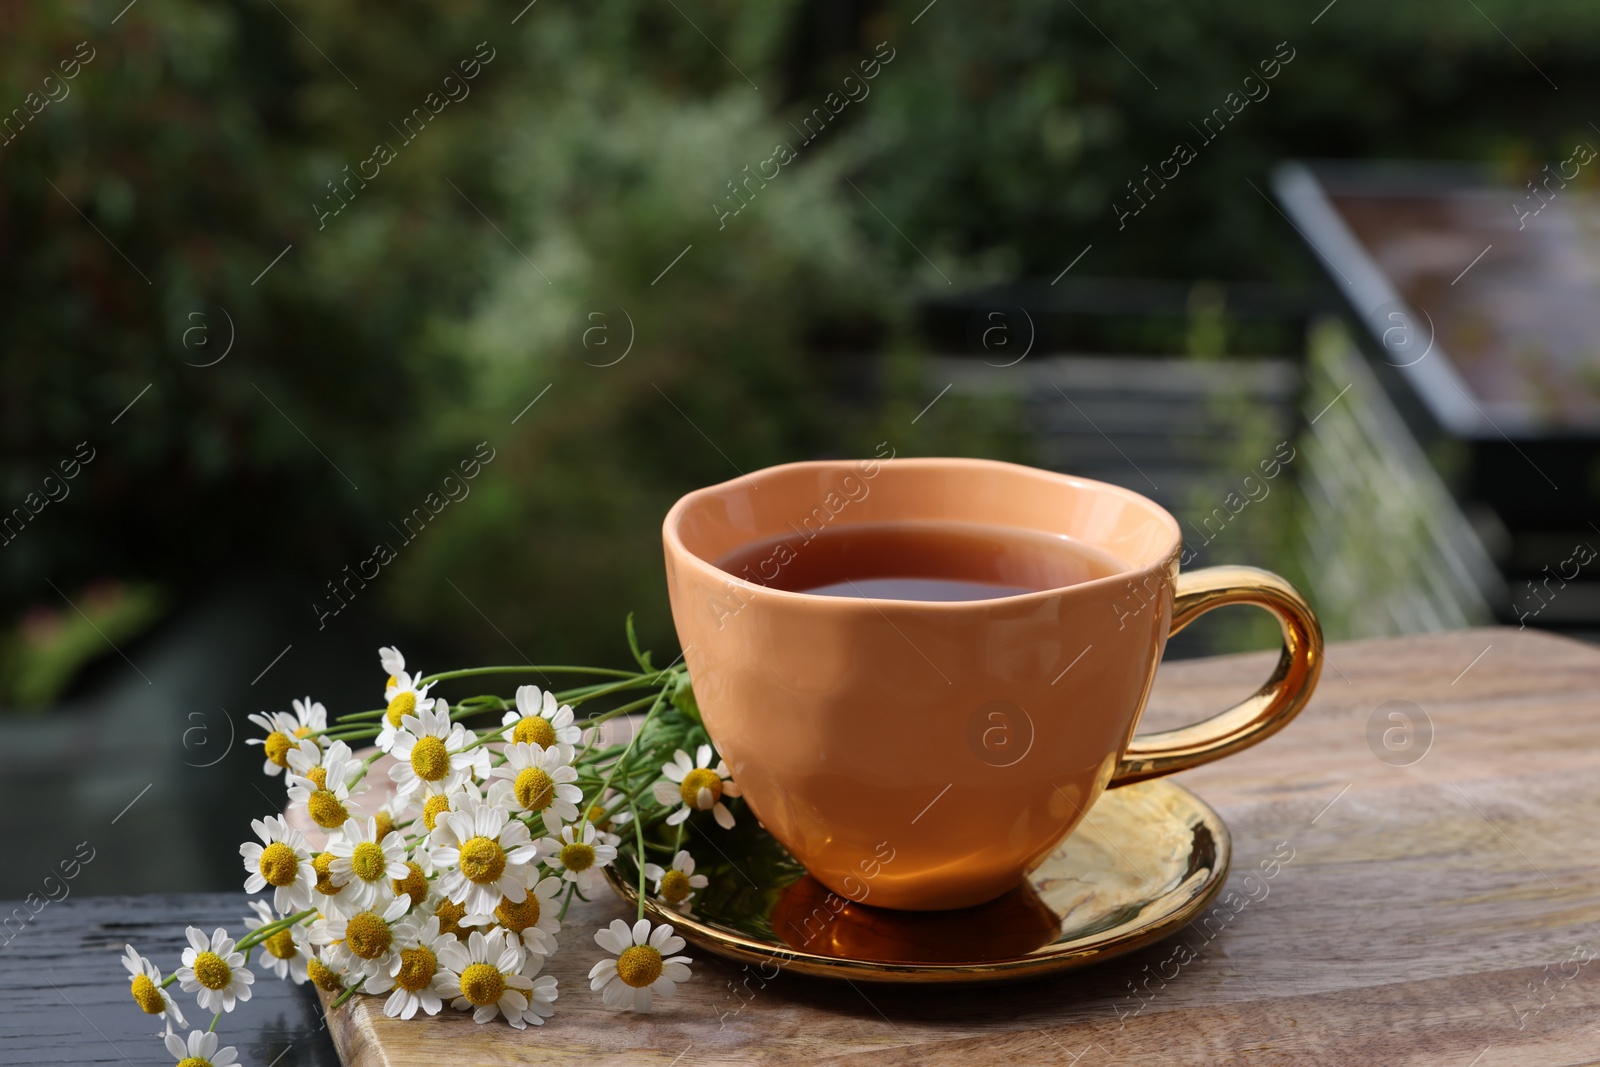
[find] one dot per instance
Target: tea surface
(936, 561)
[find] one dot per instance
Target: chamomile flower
(392, 812)
(201, 1050)
(676, 884)
(697, 786)
(541, 782)
(414, 973)
(405, 696)
(538, 720)
(448, 912)
(325, 790)
(577, 855)
(393, 664)
(214, 972)
(483, 855)
(428, 753)
(644, 966)
(280, 727)
(305, 759)
(484, 976)
(283, 953)
(310, 718)
(415, 884)
(147, 992)
(366, 866)
(325, 894)
(611, 813)
(322, 973)
(435, 805)
(282, 861)
(363, 943)
(532, 920)
(542, 997)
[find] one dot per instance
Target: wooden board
(64, 995)
(1441, 912)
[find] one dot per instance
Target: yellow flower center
(302, 732)
(535, 729)
(417, 968)
(432, 808)
(482, 984)
(482, 860)
(367, 935)
(385, 824)
(322, 975)
(318, 777)
(639, 965)
(598, 817)
(392, 680)
(675, 886)
(367, 862)
(212, 971)
(326, 810)
(577, 856)
(281, 945)
(279, 864)
(518, 917)
(430, 759)
(535, 789)
(413, 885)
(147, 996)
(696, 780)
(322, 863)
(277, 747)
(450, 916)
(194, 1061)
(403, 704)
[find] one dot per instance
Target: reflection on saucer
(1145, 861)
(810, 918)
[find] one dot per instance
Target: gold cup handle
(1262, 714)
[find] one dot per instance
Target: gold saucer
(1145, 860)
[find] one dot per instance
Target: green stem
(607, 716)
(213, 1025)
(638, 836)
(346, 995)
(266, 930)
(637, 682)
(347, 733)
(566, 901)
(353, 716)
(583, 692)
(472, 672)
(612, 770)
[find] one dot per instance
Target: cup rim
(675, 545)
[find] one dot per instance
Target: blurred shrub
(1004, 132)
(391, 338)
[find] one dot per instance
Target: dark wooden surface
(64, 993)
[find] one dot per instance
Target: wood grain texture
(1443, 912)
(64, 995)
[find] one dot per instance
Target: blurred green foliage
(453, 287)
(40, 654)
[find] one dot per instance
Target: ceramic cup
(926, 755)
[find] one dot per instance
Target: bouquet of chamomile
(450, 887)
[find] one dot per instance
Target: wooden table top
(64, 995)
(1441, 906)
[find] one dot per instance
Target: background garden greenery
(425, 315)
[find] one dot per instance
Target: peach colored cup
(964, 740)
